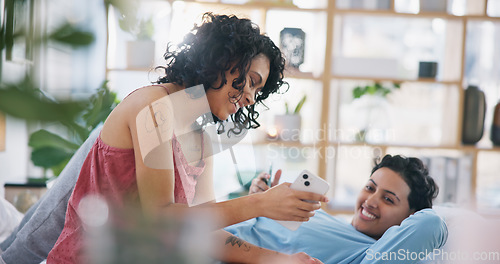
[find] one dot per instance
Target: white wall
(14, 160)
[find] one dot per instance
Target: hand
(259, 184)
(304, 258)
(283, 203)
(297, 258)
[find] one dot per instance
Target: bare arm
(205, 185)
(235, 250)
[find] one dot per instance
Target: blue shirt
(333, 240)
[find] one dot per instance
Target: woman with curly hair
(149, 154)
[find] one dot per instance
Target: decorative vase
(433, 5)
(495, 126)
(288, 127)
(427, 69)
(140, 54)
(473, 115)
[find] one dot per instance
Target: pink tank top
(110, 173)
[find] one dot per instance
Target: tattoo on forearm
(236, 241)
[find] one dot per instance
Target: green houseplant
(372, 98)
(298, 107)
(52, 151)
(143, 29)
(288, 125)
(141, 50)
(376, 89)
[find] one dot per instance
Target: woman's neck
(187, 108)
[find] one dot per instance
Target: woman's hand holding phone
(282, 202)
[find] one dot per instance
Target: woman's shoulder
(427, 217)
(144, 97)
(428, 221)
(147, 94)
(116, 129)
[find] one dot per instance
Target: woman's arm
(279, 203)
(232, 249)
(205, 186)
(417, 236)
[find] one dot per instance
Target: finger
(300, 215)
(307, 206)
(262, 185)
(317, 261)
(254, 189)
(277, 177)
(298, 219)
(263, 175)
(259, 180)
(258, 186)
(304, 257)
(310, 196)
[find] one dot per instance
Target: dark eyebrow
(387, 191)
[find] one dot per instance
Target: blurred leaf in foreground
(23, 100)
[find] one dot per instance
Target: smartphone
(307, 182)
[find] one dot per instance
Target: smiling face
(223, 102)
(382, 203)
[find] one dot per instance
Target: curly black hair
(224, 43)
(423, 189)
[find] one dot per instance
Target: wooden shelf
(281, 143)
(364, 144)
(130, 69)
(467, 148)
(298, 144)
(296, 74)
(259, 5)
(480, 148)
(288, 144)
(442, 15)
(420, 80)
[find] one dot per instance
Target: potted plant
(372, 99)
(141, 50)
(52, 151)
(288, 125)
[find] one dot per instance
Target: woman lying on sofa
(393, 221)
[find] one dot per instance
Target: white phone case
(308, 182)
